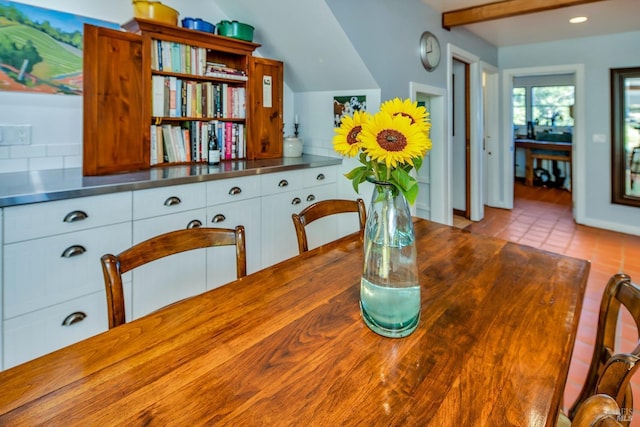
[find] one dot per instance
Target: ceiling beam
(503, 9)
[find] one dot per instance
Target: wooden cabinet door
(116, 110)
(264, 118)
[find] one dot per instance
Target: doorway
(578, 142)
(460, 140)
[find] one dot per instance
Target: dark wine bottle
(214, 149)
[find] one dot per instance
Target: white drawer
(168, 200)
(320, 176)
(232, 190)
(37, 275)
(34, 334)
(63, 216)
(146, 228)
(247, 214)
(274, 183)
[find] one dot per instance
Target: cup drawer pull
(235, 191)
(196, 223)
(283, 183)
(311, 198)
(76, 317)
(172, 201)
(320, 177)
(296, 201)
(75, 216)
(218, 218)
(72, 251)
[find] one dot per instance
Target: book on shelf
(157, 103)
(222, 71)
(168, 143)
(173, 82)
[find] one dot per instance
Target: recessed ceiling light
(578, 19)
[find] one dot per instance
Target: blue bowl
(199, 24)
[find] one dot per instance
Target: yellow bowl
(155, 11)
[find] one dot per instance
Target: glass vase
(389, 289)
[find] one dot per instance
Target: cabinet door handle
(320, 177)
(235, 191)
(196, 223)
(218, 218)
(296, 201)
(75, 216)
(76, 317)
(72, 251)
(283, 183)
(172, 201)
(311, 198)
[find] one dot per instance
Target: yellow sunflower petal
(346, 140)
(408, 108)
(393, 139)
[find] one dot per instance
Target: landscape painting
(41, 49)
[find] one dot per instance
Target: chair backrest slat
(322, 209)
(164, 245)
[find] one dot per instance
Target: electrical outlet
(15, 134)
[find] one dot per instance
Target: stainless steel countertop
(21, 188)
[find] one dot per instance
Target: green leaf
(403, 179)
(411, 194)
(417, 162)
(355, 171)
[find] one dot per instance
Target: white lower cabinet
(52, 284)
(170, 279)
(40, 332)
(303, 188)
(221, 261)
(51, 276)
(58, 268)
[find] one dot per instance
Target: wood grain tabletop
(287, 346)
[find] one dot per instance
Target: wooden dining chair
(599, 410)
(113, 266)
(610, 371)
(322, 209)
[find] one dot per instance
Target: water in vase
(389, 290)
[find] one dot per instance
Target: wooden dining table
(287, 346)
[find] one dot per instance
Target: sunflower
(346, 140)
(408, 108)
(393, 139)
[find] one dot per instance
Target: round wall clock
(429, 50)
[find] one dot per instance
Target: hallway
(542, 218)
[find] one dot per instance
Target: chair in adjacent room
(113, 266)
(610, 371)
(322, 209)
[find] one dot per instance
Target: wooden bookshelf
(122, 76)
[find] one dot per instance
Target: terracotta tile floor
(542, 218)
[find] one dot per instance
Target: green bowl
(235, 29)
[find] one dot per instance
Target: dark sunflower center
(352, 138)
(391, 140)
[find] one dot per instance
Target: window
(552, 105)
(519, 106)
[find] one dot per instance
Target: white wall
(613, 51)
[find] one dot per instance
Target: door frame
(579, 138)
(475, 188)
(491, 132)
(439, 160)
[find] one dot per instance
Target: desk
(286, 346)
(532, 146)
